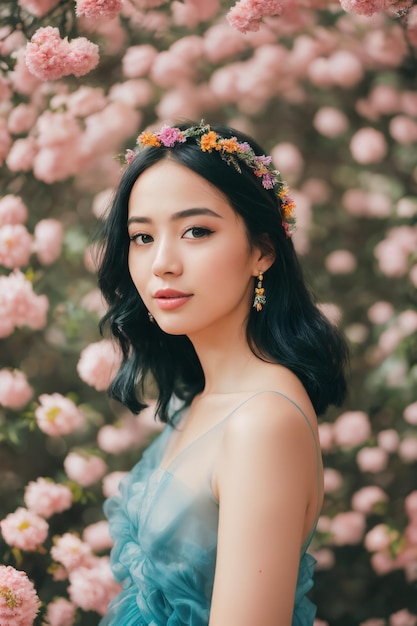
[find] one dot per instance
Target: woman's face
(189, 255)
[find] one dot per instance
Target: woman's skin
(193, 265)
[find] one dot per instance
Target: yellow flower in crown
(229, 145)
(208, 141)
(148, 139)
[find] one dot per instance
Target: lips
(169, 299)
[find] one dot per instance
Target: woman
(207, 301)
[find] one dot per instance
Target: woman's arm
(267, 481)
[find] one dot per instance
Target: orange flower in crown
(208, 141)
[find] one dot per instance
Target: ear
(264, 254)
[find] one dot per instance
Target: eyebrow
(176, 216)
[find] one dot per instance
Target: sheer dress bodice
(164, 527)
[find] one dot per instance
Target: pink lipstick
(169, 299)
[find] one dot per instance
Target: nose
(167, 259)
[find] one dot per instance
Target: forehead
(170, 185)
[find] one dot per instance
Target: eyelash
(206, 232)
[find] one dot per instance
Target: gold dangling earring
(151, 317)
(260, 298)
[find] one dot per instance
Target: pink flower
(379, 538)
(246, 15)
(368, 146)
(382, 562)
(85, 101)
(330, 122)
(83, 469)
(92, 588)
(363, 7)
(24, 530)
(71, 552)
(403, 129)
(366, 499)
(341, 262)
(326, 436)
(49, 57)
(374, 621)
(381, 312)
(407, 450)
(46, 498)
(98, 8)
(138, 60)
(288, 158)
(12, 210)
(60, 612)
(97, 536)
(403, 618)
(99, 363)
(22, 154)
(116, 439)
(22, 118)
(372, 459)
(48, 240)
(333, 480)
(57, 415)
(15, 391)
(19, 305)
(388, 440)
(111, 483)
(410, 413)
(15, 245)
(345, 69)
(19, 603)
(410, 505)
(38, 8)
(325, 559)
(351, 429)
(347, 528)
(170, 136)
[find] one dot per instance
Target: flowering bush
(328, 88)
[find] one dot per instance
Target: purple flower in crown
(263, 160)
(170, 136)
(129, 156)
(244, 146)
(268, 180)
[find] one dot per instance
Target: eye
(197, 232)
(141, 239)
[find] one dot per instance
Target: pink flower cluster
(19, 603)
(99, 363)
(38, 8)
(246, 15)
(60, 612)
(15, 391)
(19, 305)
(85, 469)
(98, 8)
(49, 57)
(45, 498)
(57, 415)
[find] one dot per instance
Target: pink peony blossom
(325, 559)
(330, 122)
(406, 207)
(288, 158)
(15, 391)
(22, 118)
(333, 480)
(5, 140)
(381, 312)
(372, 459)
(138, 60)
(368, 146)
(38, 8)
(97, 536)
(22, 154)
(57, 415)
(12, 210)
(365, 499)
(111, 483)
(246, 15)
(407, 450)
(388, 440)
(92, 588)
(96, 9)
(326, 436)
(60, 612)
(71, 552)
(386, 99)
(410, 413)
(134, 93)
(24, 530)
(341, 262)
(49, 57)
(378, 538)
(351, 429)
(83, 469)
(347, 528)
(48, 240)
(410, 505)
(382, 562)
(15, 246)
(99, 363)
(345, 69)
(19, 603)
(363, 7)
(85, 101)
(403, 618)
(403, 129)
(45, 498)
(19, 305)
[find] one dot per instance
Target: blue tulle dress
(164, 526)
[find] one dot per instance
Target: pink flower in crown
(19, 603)
(244, 146)
(268, 180)
(130, 156)
(170, 136)
(24, 530)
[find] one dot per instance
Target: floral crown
(232, 152)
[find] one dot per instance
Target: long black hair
(290, 329)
